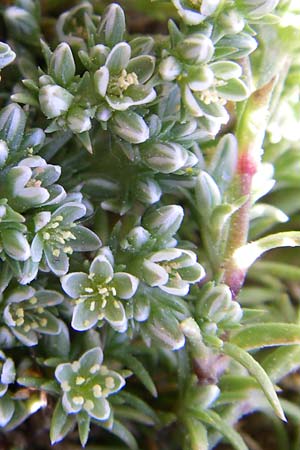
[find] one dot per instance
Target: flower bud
(78, 120)
(164, 157)
(22, 25)
(164, 220)
(196, 49)
(130, 126)
(231, 22)
(54, 100)
(62, 65)
(148, 191)
(255, 9)
(135, 239)
(112, 25)
(3, 153)
(208, 195)
(169, 68)
(12, 125)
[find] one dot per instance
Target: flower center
(118, 85)
(58, 236)
(32, 320)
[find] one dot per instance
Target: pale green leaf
(257, 371)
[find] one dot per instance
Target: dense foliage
(141, 177)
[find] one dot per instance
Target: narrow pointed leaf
(266, 335)
(256, 370)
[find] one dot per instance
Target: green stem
(250, 134)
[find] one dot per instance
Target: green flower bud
(3, 153)
(164, 157)
(208, 195)
(22, 24)
(130, 126)
(112, 25)
(62, 65)
(148, 191)
(255, 9)
(54, 100)
(169, 68)
(231, 22)
(164, 220)
(196, 49)
(78, 120)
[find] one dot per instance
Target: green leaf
(7, 407)
(234, 90)
(139, 405)
(266, 335)
(139, 370)
(257, 371)
(245, 256)
(197, 434)
(214, 420)
(282, 361)
(61, 423)
(85, 140)
(83, 421)
(124, 434)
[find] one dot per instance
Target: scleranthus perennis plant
(141, 178)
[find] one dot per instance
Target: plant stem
(250, 134)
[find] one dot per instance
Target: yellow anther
(20, 312)
(20, 322)
(79, 381)
(104, 370)
(35, 324)
(75, 366)
(94, 369)
(43, 322)
(46, 236)
(89, 290)
(113, 291)
(59, 218)
(27, 328)
(86, 323)
(68, 250)
(97, 391)
(102, 291)
(59, 239)
(116, 304)
(56, 252)
(33, 300)
(89, 405)
(65, 386)
(54, 225)
(40, 309)
(109, 382)
(78, 400)
(104, 303)
(92, 306)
